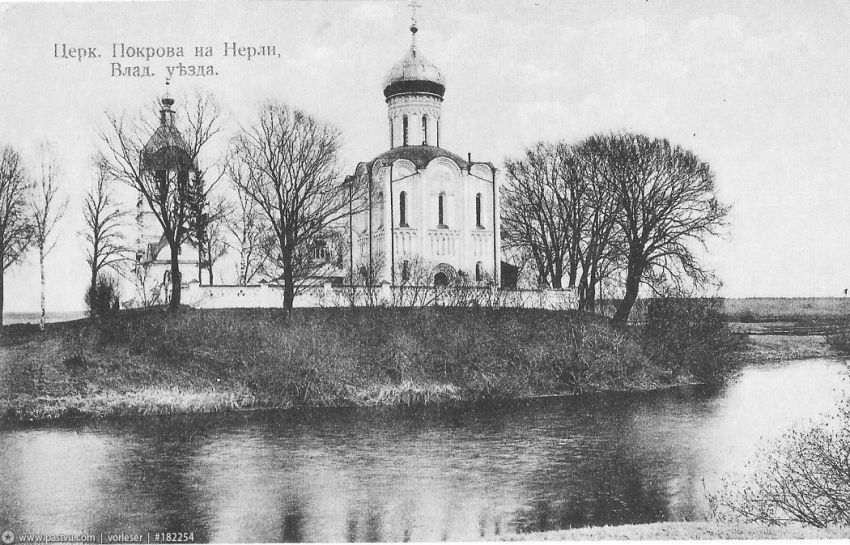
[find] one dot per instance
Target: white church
(430, 214)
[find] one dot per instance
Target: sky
(758, 89)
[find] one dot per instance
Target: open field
(808, 310)
(154, 362)
(662, 531)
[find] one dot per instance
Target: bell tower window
(404, 130)
(424, 130)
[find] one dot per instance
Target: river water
(366, 475)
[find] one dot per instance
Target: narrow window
(404, 130)
(402, 209)
(392, 140)
(405, 271)
(479, 272)
(478, 209)
(320, 250)
(424, 130)
(440, 201)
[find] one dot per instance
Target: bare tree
(247, 227)
(215, 234)
(46, 209)
(801, 478)
(16, 229)
(161, 163)
(665, 203)
(290, 161)
(558, 215)
(593, 221)
(105, 242)
(533, 222)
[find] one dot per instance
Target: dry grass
(771, 348)
(152, 362)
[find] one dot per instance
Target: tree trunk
(632, 287)
(590, 295)
(2, 272)
(288, 287)
(573, 272)
(582, 290)
(43, 285)
(92, 290)
(174, 304)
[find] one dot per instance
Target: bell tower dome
(414, 90)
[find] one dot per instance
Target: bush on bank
(801, 478)
(691, 336)
(238, 359)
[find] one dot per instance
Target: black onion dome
(166, 149)
(414, 74)
(419, 155)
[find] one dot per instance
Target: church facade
(430, 216)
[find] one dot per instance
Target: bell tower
(414, 90)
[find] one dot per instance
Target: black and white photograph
(424, 270)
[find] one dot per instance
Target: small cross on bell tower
(414, 28)
(166, 113)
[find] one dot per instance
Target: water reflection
(457, 474)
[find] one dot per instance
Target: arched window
(424, 130)
(440, 210)
(478, 209)
(438, 133)
(405, 271)
(320, 250)
(479, 272)
(404, 130)
(402, 209)
(392, 140)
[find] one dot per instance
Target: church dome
(166, 149)
(414, 74)
(419, 156)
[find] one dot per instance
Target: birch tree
(47, 208)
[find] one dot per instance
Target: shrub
(803, 477)
(839, 339)
(103, 298)
(691, 335)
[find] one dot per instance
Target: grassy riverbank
(663, 531)
(153, 362)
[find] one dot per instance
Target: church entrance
(441, 280)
